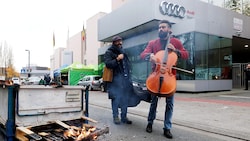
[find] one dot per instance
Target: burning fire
(79, 133)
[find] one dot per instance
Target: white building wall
(207, 18)
(117, 3)
(78, 47)
(92, 43)
(57, 58)
(67, 57)
(74, 45)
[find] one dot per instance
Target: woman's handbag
(107, 74)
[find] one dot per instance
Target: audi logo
(170, 9)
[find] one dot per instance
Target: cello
(163, 83)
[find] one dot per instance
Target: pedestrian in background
(41, 82)
(151, 49)
(247, 75)
(117, 60)
(47, 79)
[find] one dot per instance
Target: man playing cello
(175, 45)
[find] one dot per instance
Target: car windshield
(97, 78)
(34, 78)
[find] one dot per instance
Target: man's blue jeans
(168, 111)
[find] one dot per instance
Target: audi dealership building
(215, 38)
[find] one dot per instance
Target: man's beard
(162, 34)
(119, 45)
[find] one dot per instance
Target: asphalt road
(136, 131)
(100, 110)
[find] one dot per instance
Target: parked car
(103, 85)
(90, 80)
(33, 81)
(16, 80)
(23, 80)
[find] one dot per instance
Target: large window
(201, 56)
(210, 57)
(188, 43)
(140, 68)
(213, 57)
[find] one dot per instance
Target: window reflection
(209, 56)
(213, 57)
(188, 43)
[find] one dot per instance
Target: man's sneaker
(149, 128)
(126, 121)
(117, 120)
(168, 134)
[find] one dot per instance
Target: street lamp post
(28, 62)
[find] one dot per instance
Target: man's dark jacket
(121, 83)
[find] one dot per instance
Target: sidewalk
(192, 110)
(221, 117)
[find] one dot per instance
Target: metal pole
(10, 124)
(86, 112)
(5, 70)
(28, 62)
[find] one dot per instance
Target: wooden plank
(2, 121)
(93, 135)
(21, 136)
(29, 133)
(25, 130)
(62, 124)
(89, 119)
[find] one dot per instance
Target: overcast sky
(29, 24)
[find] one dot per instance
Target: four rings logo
(170, 9)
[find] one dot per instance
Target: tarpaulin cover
(76, 71)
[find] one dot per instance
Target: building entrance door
(238, 75)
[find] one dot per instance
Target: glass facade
(140, 68)
(213, 57)
(209, 57)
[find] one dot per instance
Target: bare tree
(5, 54)
(246, 8)
(6, 57)
(1, 56)
(240, 6)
